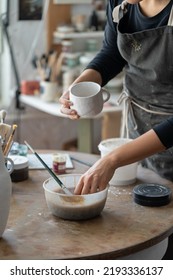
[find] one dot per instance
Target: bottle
(5, 192)
(93, 21)
(59, 163)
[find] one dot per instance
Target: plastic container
(124, 175)
(59, 163)
(21, 170)
(73, 207)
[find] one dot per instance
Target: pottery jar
(5, 192)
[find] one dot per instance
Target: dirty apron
(148, 84)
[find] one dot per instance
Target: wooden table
(123, 228)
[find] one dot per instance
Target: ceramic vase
(5, 193)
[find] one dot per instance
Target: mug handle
(107, 93)
(9, 167)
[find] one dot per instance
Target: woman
(138, 38)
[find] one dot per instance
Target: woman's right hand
(96, 177)
(65, 106)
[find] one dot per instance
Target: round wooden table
(123, 228)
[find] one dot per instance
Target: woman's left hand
(97, 177)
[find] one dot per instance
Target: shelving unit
(59, 11)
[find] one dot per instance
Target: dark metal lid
(151, 194)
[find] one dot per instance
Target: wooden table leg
(85, 135)
(111, 125)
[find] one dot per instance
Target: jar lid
(58, 157)
(152, 194)
(19, 161)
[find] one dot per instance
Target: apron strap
(128, 109)
(116, 14)
(170, 21)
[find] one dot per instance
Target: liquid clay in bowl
(75, 207)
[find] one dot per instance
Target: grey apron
(148, 84)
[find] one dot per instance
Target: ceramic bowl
(75, 207)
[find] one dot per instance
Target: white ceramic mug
(49, 91)
(88, 98)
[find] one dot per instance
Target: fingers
(71, 113)
(83, 188)
(97, 177)
(64, 100)
(79, 187)
(89, 184)
(65, 107)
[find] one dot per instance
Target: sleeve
(164, 131)
(108, 62)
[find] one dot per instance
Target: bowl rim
(115, 139)
(103, 147)
(63, 194)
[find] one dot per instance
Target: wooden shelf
(72, 2)
(58, 36)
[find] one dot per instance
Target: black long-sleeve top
(164, 131)
(108, 62)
